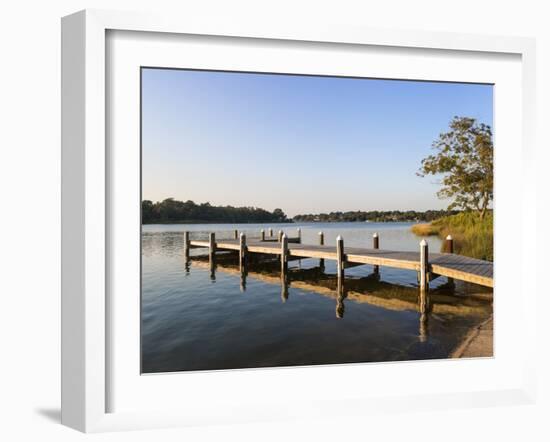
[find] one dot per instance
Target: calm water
(194, 318)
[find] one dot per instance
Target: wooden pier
(428, 265)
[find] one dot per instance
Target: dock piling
(449, 244)
(212, 245)
(242, 251)
(212, 255)
(186, 245)
(280, 236)
(375, 245)
(262, 235)
(236, 234)
(299, 235)
(322, 243)
(424, 265)
(270, 232)
(449, 248)
(340, 256)
(284, 254)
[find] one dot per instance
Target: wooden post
(375, 245)
(212, 255)
(424, 266)
(242, 251)
(280, 237)
(262, 235)
(212, 245)
(340, 256)
(186, 245)
(449, 248)
(236, 234)
(449, 244)
(284, 254)
(299, 235)
(270, 232)
(322, 243)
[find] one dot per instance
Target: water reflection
(191, 323)
(212, 265)
(370, 289)
(244, 274)
(340, 308)
(284, 286)
(424, 310)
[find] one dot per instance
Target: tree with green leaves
(464, 159)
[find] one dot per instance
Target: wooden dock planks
(444, 264)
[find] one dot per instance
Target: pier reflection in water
(204, 312)
(369, 289)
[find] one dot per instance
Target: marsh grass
(472, 237)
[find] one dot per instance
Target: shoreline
(478, 342)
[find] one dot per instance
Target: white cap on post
(449, 237)
(423, 242)
(375, 235)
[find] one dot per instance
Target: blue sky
(305, 144)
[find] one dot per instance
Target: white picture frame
(86, 315)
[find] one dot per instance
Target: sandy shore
(477, 343)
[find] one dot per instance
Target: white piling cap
(242, 234)
(449, 237)
(262, 230)
(423, 243)
(375, 235)
(284, 235)
(320, 233)
(339, 238)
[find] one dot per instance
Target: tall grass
(472, 237)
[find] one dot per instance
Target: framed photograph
(265, 222)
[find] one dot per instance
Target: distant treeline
(376, 216)
(173, 211)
